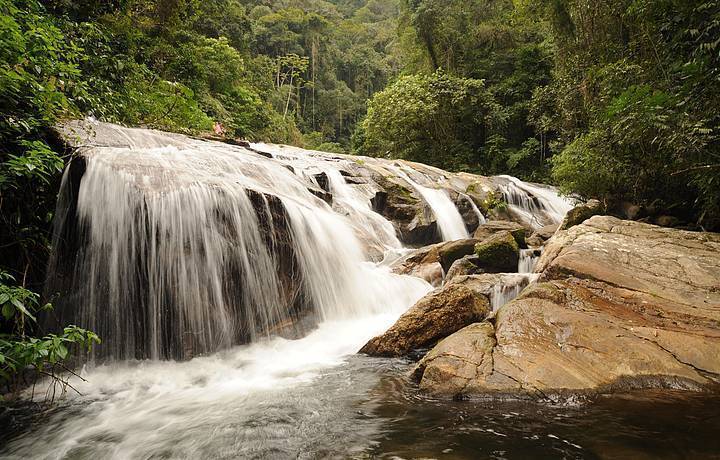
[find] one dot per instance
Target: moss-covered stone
(580, 214)
(499, 253)
(454, 250)
(492, 227)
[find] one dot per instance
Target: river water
(225, 406)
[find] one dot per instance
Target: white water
(536, 205)
(511, 286)
(182, 259)
(528, 259)
(448, 217)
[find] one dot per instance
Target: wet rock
(620, 305)
(458, 361)
(412, 218)
(539, 237)
(466, 208)
(498, 253)
(468, 265)
(453, 250)
(494, 226)
(581, 213)
(423, 263)
(435, 316)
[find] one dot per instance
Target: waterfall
(449, 220)
(181, 247)
(536, 205)
(528, 259)
(510, 287)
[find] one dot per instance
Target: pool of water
(359, 408)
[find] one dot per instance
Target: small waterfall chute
(537, 205)
(449, 220)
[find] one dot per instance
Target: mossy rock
(492, 227)
(498, 254)
(454, 250)
(580, 214)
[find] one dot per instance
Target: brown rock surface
(437, 315)
(620, 305)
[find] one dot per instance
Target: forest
(617, 100)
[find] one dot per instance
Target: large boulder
(492, 227)
(620, 305)
(435, 316)
(498, 253)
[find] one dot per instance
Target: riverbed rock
(435, 316)
(498, 253)
(492, 227)
(581, 213)
(468, 265)
(453, 250)
(620, 305)
(540, 236)
(411, 216)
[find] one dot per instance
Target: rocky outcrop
(412, 218)
(498, 253)
(492, 227)
(581, 213)
(433, 317)
(620, 305)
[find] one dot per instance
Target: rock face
(620, 305)
(433, 317)
(498, 253)
(468, 265)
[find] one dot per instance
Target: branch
(695, 168)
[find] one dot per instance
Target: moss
(498, 253)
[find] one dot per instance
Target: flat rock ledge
(620, 306)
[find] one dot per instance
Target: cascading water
(449, 220)
(191, 247)
(537, 205)
(510, 287)
(528, 259)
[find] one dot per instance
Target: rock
(620, 305)
(467, 208)
(413, 219)
(581, 213)
(457, 361)
(453, 250)
(498, 253)
(540, 236)
(461, 267)
(667, 221)
(492, 227)
(435, 316)
(423, 263)
(630, 211)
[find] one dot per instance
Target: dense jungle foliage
(612, 99)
